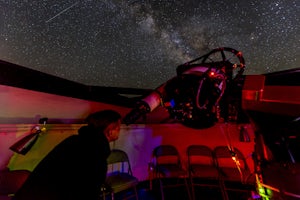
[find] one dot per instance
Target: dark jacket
(75, 169)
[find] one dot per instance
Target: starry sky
(139, 43)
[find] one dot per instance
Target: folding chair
(232, 164)
(201, 166)
(167, 164)
(119, 177)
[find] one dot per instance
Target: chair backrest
(166, 154)
(118, 160)
(200, 154)
(226, 157)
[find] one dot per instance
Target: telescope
(201, 92)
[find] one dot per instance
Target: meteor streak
(49, 20)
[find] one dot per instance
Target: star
(139, 44)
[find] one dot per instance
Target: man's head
(106, 121)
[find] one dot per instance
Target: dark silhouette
(76, 168)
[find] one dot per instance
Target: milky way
(139, 44)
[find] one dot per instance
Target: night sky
(139, 43)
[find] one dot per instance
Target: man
(76, 168)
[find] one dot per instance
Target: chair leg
(103, 195)
(223, 189)
(136, 194)
(187, 188)
(112, 196)
(161, 189)
(193, 189)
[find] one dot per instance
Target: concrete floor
(234, 192)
